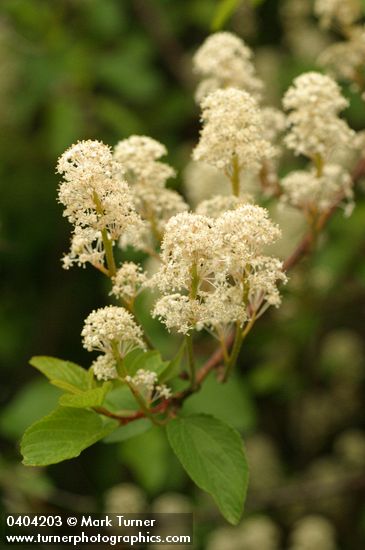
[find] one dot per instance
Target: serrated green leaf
(87, 399)
(63, 374)
(62, 435)
(212, 454)
(224, 11)
(132, 429)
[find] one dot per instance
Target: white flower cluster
(214, 272)
(342, 12)
(146, 384)
(237, 138)
(86, 247)
(95, 199)
(113, 331)
(345, 59)
(314, 101)
(233, 131)
(224, 61)
(128, 281)
(138, 158)
(104, 367)
(311, 193)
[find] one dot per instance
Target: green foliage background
(105, 69)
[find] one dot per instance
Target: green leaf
(131, 357)
(65, 386)
(212, 454)
(120, 400)
(63, 374)
(230, 402)
(87, 399)
(129, 430)
(152, 462)
(223, 12)
(63, 434)
(31, 403)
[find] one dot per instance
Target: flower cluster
(138, 158)
(232, 132)
(224, 61)
(86, 247)
(311, 193)
(104, 367)
(342, 12)
(128, 281)
(314, 101)
(113, 331)
(345, 59)
(145, 383)
(96, 200)
(213, 271)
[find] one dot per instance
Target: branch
(216, 359)
(305, 245)
(123, 420)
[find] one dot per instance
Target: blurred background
(105, 69)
